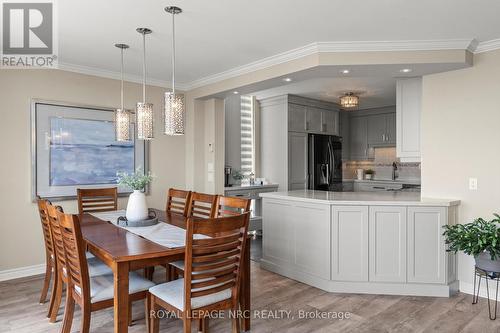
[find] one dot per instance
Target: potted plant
(137, 208)
(238, 176)
(480, 238)
(369, 174)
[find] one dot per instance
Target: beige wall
(20, 233)
(461, 139)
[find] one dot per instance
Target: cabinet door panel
(387, 234)
(330, 120)
(297, 161)
(314, 123)
(358, 138)
(296, 118)
(311, 225)
(376, 129)
(277, 232)
(391, 128)
(350, 243)
(426, 246)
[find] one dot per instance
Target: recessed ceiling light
(236, 92)
(405, 70)
(287, 79)
(345, 71)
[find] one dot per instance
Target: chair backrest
(229, 206)
(97, 199)
(178, 201)
(57, 241)
(202, 205)
(44, 219)
(74, 248)
(214, 264)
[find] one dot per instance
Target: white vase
(137, 208)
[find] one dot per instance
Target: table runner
(162, 233)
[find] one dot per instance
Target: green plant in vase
(137, 208)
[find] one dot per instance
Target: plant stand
(480, 273)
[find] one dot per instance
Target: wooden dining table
(124, 252)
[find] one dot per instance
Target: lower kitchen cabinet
(350, 243)
(426, 249)
(387, 244)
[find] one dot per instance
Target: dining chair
(92, 200)
(178, 201)
(49, 249)
(202, 205)
(212, 273)
(95, 266)
(91, 293)
(228, 206)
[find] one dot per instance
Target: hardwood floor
(20, 311)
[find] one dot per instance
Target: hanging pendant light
(174, 103)
(122, 116)
(349, 101)
(144, 110)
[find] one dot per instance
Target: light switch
(210, 167)
(210, 177)
(472, 184)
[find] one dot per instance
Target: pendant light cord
(144, 68)
(121, 77)
(173, 53)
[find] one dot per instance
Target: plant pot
(484, 262)
(137, 208)
(368, 176)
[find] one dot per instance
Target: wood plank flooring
(20, 311)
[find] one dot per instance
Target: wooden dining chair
(178, 201)
(228, 206)
(97, 200)
(50, 264)
(202, 205)
(95, 266)
(212, 277)
(91, 293)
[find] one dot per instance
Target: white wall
(21, 242)
(461, 139)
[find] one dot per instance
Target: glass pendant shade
(122, 124)
(144, 113)
(349, 101)
(174, 114)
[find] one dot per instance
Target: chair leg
(168, 273)
(46, 281)
(203, 325)
(129, 313)
(69, 311)
(85, 319)
(57, 299)
(148, 273)
(236, 325)
(187, 324)
(55, 284)
(154, 321)
(147, 307)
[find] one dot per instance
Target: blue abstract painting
(85, 152)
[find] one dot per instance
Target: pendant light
(144, 110)
(174, 103)
(122, 116)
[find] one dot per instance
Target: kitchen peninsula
(360, 242)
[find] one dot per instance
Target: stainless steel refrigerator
(325, 162)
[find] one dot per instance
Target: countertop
(246, 187)
(397, 181)
(361, 198)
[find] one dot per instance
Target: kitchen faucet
(394, 169)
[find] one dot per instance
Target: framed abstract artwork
(74, 147)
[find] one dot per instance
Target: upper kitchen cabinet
(314, 123)
(359, 138)
(297, 118)
(312, 116)
(382, 130)
(408, 110)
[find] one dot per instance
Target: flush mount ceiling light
(144, 110)
(236, 92)
(122, 116)
(406, 70)
(287, 79)
(345, 71)
(349, 101)
(174, 103)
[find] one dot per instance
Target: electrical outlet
(472, 184)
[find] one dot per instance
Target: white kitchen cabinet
(350, 243)
(297, 117)
(381, 130)
(408, 113)
(390, 135)
(297, 161)
(314, 122)
(277, 246)
(387, 244)
(426, 247)
(330, 122)
(358, 138)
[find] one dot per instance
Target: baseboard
(16, 273)
(468, 288)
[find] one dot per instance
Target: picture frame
(73, 146)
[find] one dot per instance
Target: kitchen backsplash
(382, 165)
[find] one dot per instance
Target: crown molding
(99, 72)
(319, 47)
(490, 45)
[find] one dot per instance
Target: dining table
(124, 251)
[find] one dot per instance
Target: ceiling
(216, 36)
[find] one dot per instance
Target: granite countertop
(245, 187)
(362, 198)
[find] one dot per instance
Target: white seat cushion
(89, 255)
(173, 293)
(178, 264)
(97, 267)
(102, 287)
